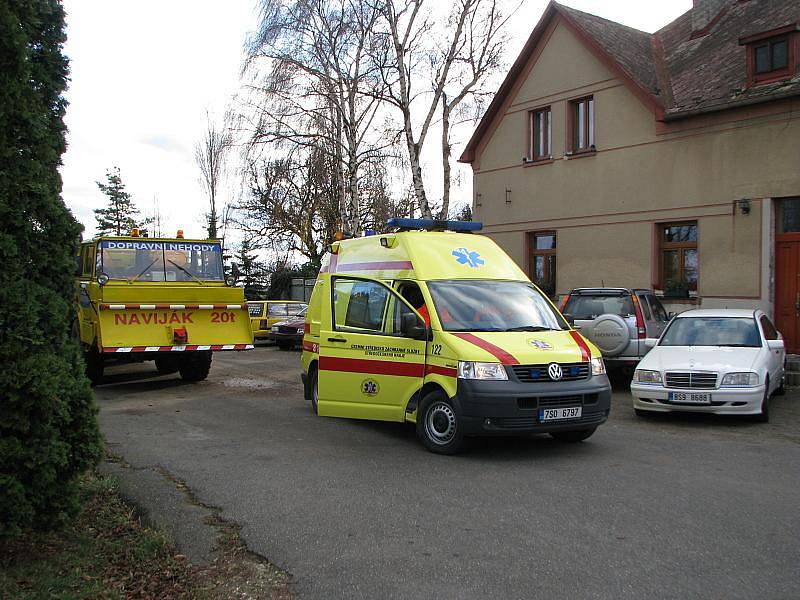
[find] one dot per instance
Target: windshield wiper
(532, 328)
(192, 275)
(146, 269)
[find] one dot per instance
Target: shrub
(48, 426)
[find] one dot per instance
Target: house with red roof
(614, 157)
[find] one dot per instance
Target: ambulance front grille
(538, 373)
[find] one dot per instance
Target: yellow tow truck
(160, 299)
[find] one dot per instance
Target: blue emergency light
(434, 225)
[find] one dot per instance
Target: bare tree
(210, 154)
(469, 50)
(322, 90)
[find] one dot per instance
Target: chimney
(704, 12)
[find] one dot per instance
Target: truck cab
(160, 299)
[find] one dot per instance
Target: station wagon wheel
(438, 424)
(763, 416)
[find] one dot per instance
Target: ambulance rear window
(161, 261)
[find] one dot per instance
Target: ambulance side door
(370, 362)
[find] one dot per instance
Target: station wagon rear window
(255, 310)
(161, 261)
(591, 307)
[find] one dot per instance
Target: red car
(288, 334)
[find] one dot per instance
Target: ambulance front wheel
(439, 425)
(195, 366)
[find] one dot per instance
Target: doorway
(787, 272)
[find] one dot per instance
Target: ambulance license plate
(560, 414)
(689, 398)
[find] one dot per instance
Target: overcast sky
(144, 73)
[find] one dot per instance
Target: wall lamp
(508, 196)
(743, 205)
(478, 200)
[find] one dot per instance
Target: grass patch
(107, 553)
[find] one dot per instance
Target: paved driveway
(675, 507)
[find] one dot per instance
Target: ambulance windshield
(485, 305)
(161, 261)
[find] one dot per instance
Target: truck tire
(94, 365)
(166, 365)
(438, 426)
(195, 366)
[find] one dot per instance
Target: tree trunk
(445, 158)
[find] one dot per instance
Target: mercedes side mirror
(775, 344)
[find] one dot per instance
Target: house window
(678, 253)
(543, 261)
(581, 124)
(771, 55)
(541, 134)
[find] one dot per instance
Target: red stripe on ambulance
(586, 354)
(496, 351)
(375, 367)
(436, 370)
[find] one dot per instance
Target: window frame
(533, 252)
(533, 155)
(388, 311)
(664, 246)
(774, 331)
(789, 34)
(589, 125)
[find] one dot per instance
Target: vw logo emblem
(555, 372)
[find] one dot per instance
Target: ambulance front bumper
(509, 407)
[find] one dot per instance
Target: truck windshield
(161, 261)
(485, 305)
(737, 332)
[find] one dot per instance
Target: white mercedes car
(719, 361)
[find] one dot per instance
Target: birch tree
(210, 154)
(321, 90)
(469, 49)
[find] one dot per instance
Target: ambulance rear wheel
(438, 426)
(313, 384)
(166, 365)
(195, 366)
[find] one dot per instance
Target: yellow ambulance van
(435, 325)
(160, 299)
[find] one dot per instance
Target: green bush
(48, 426)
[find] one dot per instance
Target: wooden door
(787, 290)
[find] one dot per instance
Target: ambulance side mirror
(411, 326)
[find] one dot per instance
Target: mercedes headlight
(301, 330)
(481, 370)
(275, 329)
(740, 380)
(598, 368)
(644, 376)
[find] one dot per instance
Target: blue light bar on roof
(434, 225)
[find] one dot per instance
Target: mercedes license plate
(690, 398)
(559, 414)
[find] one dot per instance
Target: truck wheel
(94, 365)
(166, 365)
(195, 366)
(572, 437)
(438, 426)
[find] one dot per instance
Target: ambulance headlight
(481, 370)
(598, 368)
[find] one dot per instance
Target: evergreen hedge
(48, 426)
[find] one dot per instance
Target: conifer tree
(48, 426)
(120, 216)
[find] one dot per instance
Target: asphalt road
(676, 507)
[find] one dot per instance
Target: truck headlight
(740, 380)
(644, 376)
(598, 368)
(481, 370)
